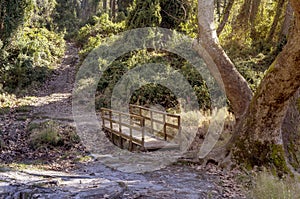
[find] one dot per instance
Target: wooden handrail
(131, 127)
(152, 120)
(132, 116)
(120, 123)
(154, 111)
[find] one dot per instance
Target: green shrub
(98, 27)
(29, 58)
(65, 15)
(152, 93)
(14, 14)
(144, 13)
(42, 14)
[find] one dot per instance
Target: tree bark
(257, 139)
(242, 20)
(113, 9)
(279, 8)
(236, 87)
(246, 18)
(225, 17)
(218, 8)
(288, 18)
(252, 18)
(291, 132)
(104, 5)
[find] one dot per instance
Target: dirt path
(97, 178)
(54, 99)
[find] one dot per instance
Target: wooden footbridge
(143, 129)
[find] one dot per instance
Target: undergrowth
(51, 134)
(266, 185)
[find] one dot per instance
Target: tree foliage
(174, 13)
(13, 14)
(145, 13)
(30, 50)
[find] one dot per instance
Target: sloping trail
(94, 179)
(54, 98)
(51, 101)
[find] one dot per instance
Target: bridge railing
(113, 120)
(158, 118)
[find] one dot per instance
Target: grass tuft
(48, 135)
(268, 186)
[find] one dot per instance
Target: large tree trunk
(258, 139)
(291, 132)
(236, 87)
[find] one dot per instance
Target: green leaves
(29, 57)
(145, 13)
(14, 13)
(91, 35)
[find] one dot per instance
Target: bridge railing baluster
(125, 126)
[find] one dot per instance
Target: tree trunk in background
(88, 8)
(291, 132)
(104, 5)
(253, 13)
(225, 17)
(288, 18)
(113, 9)
(218, 8)
(245, 20)
(279, 8)
(123, 5)
(257, 138)
(254, 10)
(242, 20)
(236, 87)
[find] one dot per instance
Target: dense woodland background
(33, 32)
(251, 37)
